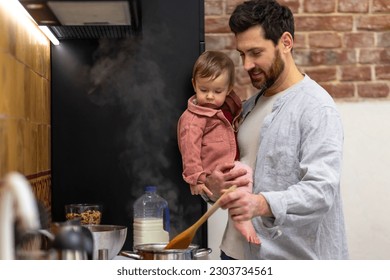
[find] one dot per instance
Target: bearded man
(292, 137)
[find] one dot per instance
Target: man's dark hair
(274, 18)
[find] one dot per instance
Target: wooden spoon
(184, 239)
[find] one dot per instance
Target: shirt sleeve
(190, 133)
(320, 157)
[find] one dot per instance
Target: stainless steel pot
(156, 251)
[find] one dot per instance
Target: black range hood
(87, 19)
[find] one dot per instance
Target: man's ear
(287, 41)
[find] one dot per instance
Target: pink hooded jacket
(206, 138)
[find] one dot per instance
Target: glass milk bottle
(151, 218)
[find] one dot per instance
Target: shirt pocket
(279, 162)
(216, 146)
(281, 150)
(214, 133)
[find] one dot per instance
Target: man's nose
(248, 64)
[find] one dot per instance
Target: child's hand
(200, 189)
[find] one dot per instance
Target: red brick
(302, 57)
(339, 90)
(383, 39)
(384, 56)
(324, 40)
(231, 5)
(325, 57)
(355, 73)
(213, 8)
(342, 49)
(323, 23)
(235, 56)
(382, 72)
(217, 24)
(359, 39)
(321, 74)
(300, 40)
(374, 56)
(381, 6)
(369, 56)
(315, 6)
(292, 4)
(373, 90)
(353, 6)
(220, 41)
(242, 77)
(376, 23)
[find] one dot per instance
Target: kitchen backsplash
(24, 100)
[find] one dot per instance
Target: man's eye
(257, 53)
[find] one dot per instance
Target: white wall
(365, 182)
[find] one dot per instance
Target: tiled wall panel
(25, 100)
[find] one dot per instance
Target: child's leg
(246, 228)
(248, 231)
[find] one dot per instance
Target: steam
(125, 75)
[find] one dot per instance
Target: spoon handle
(213, 208)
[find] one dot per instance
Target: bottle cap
(150, 189)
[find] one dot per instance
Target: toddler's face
(212, 93)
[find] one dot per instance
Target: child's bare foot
(248, 231)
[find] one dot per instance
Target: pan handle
(130, 255)
(200, 253)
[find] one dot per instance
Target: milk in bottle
(151, 218)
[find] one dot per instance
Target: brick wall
(342, 44)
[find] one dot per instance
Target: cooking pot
(156, 251)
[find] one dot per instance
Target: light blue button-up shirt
(298, 170)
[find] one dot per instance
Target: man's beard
(272, 75)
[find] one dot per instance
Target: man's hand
(244, 206)
(223, 178)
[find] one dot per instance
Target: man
(292, 137)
